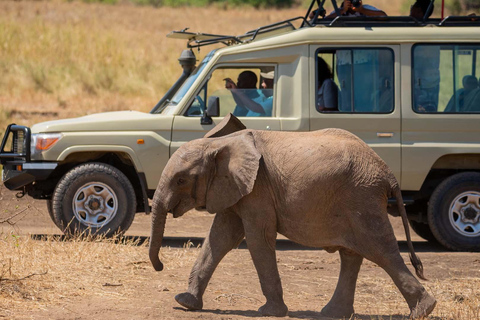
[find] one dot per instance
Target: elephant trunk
(159, 217)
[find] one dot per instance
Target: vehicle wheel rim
(95, 204)
(464, 214)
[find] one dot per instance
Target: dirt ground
(104, 280)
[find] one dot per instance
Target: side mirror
(213, 110)
(213, 106)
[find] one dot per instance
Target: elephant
(325, 189)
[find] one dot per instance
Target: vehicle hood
(108, 121)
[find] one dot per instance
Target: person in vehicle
(266, 85)
(418, 9)
(327, 98)
(464, 98)
(249, 99)
(362, 10)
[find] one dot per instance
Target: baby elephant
(325, 189)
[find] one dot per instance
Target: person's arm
(241, 98)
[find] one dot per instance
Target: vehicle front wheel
(96, 198)
(454, 212)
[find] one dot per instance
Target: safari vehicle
(401, 88)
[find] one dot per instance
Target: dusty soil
(115, 281)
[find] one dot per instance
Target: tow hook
(21, 194)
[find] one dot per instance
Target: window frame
(328, 50)
(412, 72)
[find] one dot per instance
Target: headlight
(41, 142)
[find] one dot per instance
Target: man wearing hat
(252, 102)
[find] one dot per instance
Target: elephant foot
(333, 310)
(189, 301)
(424, 307)
(274, 309)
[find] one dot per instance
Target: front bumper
(16, 176)
(18, 171)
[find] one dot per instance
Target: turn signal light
(45, 143)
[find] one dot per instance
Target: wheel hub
(470, 214)
(465, 213)
(95, 204)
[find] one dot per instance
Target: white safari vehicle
(408, 88)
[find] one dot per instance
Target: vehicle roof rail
(382, 21)
(226, 40)
(463, 21)
(273, 27)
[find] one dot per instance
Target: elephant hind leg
(341, 303)
(383, 250)
(225, 234)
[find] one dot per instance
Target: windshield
(170, 106)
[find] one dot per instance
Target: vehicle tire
(95, 198)
(454, 212)
(50, 212)
(423, 230)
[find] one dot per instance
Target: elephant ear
(236, 162)
(228, 125)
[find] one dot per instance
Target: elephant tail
(417, 264)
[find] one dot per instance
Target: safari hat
(268, 75)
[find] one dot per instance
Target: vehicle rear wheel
(454, 212)
(95, 198)
(423, 230)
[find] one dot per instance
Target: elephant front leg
(261, 244)
(341, 303)
(225, 234)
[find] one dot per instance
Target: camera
(356, 3)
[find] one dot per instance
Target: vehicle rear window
(355, 80)
(445, 78)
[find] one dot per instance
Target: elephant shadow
(302, 314)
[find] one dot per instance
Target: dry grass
(39, 275)
(35, 274)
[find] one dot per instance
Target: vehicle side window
(355, 80)
(245, 92)
(445, 78)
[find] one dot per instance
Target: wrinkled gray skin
(323, 189)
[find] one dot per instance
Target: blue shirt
(258, 96)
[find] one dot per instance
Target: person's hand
(229, 84)
(347, 5)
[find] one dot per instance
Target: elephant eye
(180, 181)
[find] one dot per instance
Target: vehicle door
(244, 100)
(440, 126)
(356, 88)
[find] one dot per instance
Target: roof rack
(398, 21)
(385, 21)
(197, 40)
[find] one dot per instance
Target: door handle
(384, 134)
